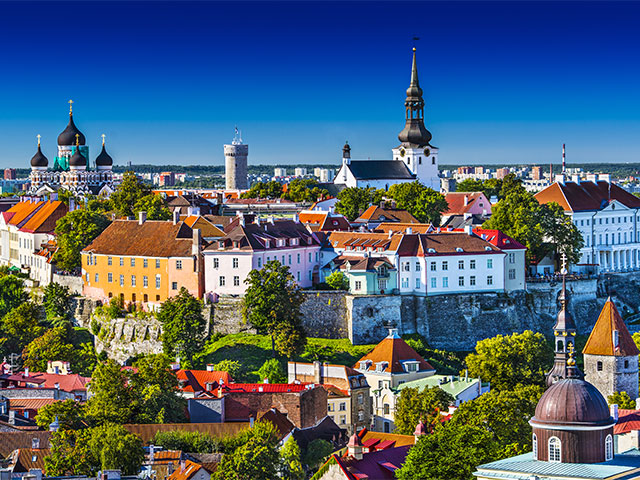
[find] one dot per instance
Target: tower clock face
(427, 152)
(402, 152)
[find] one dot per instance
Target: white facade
(423, 162)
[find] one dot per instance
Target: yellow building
(144, 261)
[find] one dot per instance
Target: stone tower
(564, 332)
(611, 355)
(235, 168)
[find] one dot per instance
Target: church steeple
(414, 133)
(564, 332)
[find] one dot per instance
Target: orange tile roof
(586, 195)
(375, 213)
(31, 403)
(400, 440)
(190, 469)
(393, 350)
(375, 240)
(207, 229)
(21, 211)
(45, 218)
(601, 340)
(196, 380)
(402, 227)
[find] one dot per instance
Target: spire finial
(77, 140)
(103, 135)
(70, 107)
(414, 71)
(38, 140)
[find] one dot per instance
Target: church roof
(380, 170)
(601, 340)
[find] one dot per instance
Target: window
(133, 262)
(330, 407)
(433, 282)
(283, 262)
(158, 281)
(512, 258)
(626, 362)
(343, 419)
(360, 415)
(405, 283)
(417, 266)
(406, 266)
(174, 285)
(343, 406)
(289, 259)
(145, 298)
(433, 266)
(472, 280)
(310, 256)
(216, 263)
(489, 262)
(599, 366)
(259, 262)
(178, 264)
(235, 262)
(109, 261)
(512, 274)
(445, 282)
(445, 265)
(460, 264)
(122, 280)
(490, 280)
(145, 263)
(358, 285)
(555, 453)
(110, 277)
(121, 261)
(298, 276)
(87, 277)
(96, 278)
(145, 281)
(298, 257)
(236, 281)
(535, 446)
(472, 264)
(221, 281)
(461, 281)
(608, 448)
(386, 409)
(360, 399)
(133, 280)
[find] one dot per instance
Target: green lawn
(252, 351)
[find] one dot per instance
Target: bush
(233, 367)
(338, 281)
(273, 371)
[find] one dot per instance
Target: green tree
(70, 415)
(57, 301)
(304, 190)
(256, 458)
(128, 193)
(317, 452)
(491, 187)
(504, 414)
(113, 397)
(451, 453)
(233, 367)
(623, 400)
(156, 398)
(422, 202)
(352, 201)
(155, 207)
(21, 326)
(337, 281)
(290, 464)
(196, 442)
(183, 325)
(50, 346)
(272, 305)
(273, 371)
(269, 190)
(69, 454)
(75, 231)
(12, 293)
(561, 232)
(413, 405)
(506, 361)
(115, 448)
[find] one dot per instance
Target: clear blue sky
(167, 82)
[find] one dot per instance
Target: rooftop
(393, 351)
(585, 196)
(380, 170)
(602, 340)
(450, 384)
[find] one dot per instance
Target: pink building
(474, 203)
(250, 243)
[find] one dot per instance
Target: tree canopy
(154, 206)
(130, 191)
(75, 231)
(272, 305)
(491, 187)
(422, 202)
(337, 281)
(269, 190)
(353, 201)
(413, 405)
(12, 293)
(304, 190)
(273, 371)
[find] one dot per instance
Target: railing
(557, 278)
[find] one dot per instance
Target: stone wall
(124, 338)
(325, 314)
(74, 282)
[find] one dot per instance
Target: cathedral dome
(77, 159)
(572, 402)
(68, 135)
(39, 160)
(104, 159)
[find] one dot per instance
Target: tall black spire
(414, 133)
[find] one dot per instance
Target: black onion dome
(68, 135)
(104, 159)
(572, 402)
(39, 160)
(77, 159)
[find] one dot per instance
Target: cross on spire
(38, 139)
(77, 140)
(70, 107)
(103, 135)
(564, 263)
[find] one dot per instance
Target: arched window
(599, 366)
(560, 347)
(555, 450)
(608, 448)
(385, 408)
(535, 446)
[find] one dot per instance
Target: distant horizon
(504, 82)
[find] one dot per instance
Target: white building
(414, 159)
(607, 216)
(249, 244)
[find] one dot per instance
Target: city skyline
(170, 89)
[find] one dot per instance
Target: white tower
(236, 163)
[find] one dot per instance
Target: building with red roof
(467, 203)
(194, 383)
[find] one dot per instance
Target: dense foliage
(422, 202)
(337, 281)
(75, 231)
(414, 405)
(353, 201)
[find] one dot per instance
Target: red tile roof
(266, 387)
(445, 243)
(628, 420)
(72, 382)
(457, 206)
(386, 214)
(190, 469)
(393, 350)
(583, 196)
(499, 239)
(601, 340)
(196, 380)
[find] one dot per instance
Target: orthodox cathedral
(414, 159)
(71, 168)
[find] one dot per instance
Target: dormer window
(281, 242)
(431, 250)
(294, 241)
(488, 249)
(365, 364)
(381, 366)
(267, 243)
(459, 249)
(411, 366)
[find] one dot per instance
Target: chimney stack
(142, 217)
(317, 373)
(176, 216)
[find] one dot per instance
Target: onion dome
(39, 160)
(104, 159)
(346, 150)
(68, 135)
(77, 159)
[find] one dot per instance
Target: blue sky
(168, 81)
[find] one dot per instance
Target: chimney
(142, 217)
(242, 221)
(35, 443)
(210, 367)
(197, 242)
(614, 411)
(265, 380)
(468, 229)
(183, 465)
(12, 417)
(419, 431)
(317, 372)
(409, 230)
(251, 420)
(390, 233)
(151, 452)
(296, 217)
(176, 216)
(466, 200)
(26, 371)
(354, 447)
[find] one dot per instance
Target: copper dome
(572, 402)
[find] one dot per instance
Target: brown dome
(572, 402)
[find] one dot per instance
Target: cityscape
(320, 241)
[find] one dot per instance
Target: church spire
(414, 133)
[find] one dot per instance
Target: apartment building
(143, 261)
